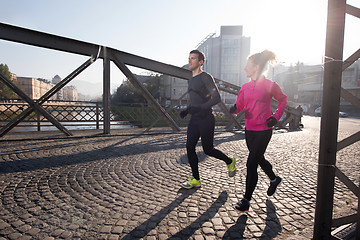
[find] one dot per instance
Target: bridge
(329, 145)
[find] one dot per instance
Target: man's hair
(200, 54)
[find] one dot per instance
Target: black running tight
(257, 142)
(204, 128)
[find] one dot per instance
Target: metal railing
(69, 113)
(90, 114)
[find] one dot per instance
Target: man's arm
(213, 91)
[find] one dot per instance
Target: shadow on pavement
(205, 217)
(71, 158)
(237, 230)
(273, 225)
(143, 229)
(113, 149)
(272, 228)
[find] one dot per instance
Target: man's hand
(184, 113)
(232, 108)
(271, 121)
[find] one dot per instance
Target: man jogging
(203, 95)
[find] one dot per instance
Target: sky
(165, 31)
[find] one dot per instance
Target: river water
(31, 126)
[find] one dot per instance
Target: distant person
(203, 95)
(300, 111)
(255, 99)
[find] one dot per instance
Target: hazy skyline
(166, 31)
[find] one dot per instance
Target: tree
(127, 93)
(5, 91)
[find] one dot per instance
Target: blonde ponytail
(262, 59)
(269, 56)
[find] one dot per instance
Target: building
(34, 88)
(70, 93)
(226, 56)
(37, 87)
(67, 93)
(60, 94)
(178, 88)
(303, 85)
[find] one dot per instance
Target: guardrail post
(106, 90)
(97, 116)
(142, 115)
(38, 121)
(329, 119)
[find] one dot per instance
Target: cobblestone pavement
(126, 187)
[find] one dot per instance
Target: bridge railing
(69, 113)
(89, 114)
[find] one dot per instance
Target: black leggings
(257, 142)
(204, 128)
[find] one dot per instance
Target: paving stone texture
(123, 186)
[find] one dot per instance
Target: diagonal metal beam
(158, 119)
(345, 94)
(343, 178)
(350, 60)
(46, 97)
(161, 111)
(344, 220)
(34, 105)
(348, 141)
(354, 11)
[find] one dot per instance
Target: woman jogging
(255, 98)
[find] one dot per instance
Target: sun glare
(294, 30)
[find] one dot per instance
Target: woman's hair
(262, 59)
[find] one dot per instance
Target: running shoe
(231, 168)
(191, 183)
(242, 206)
(273, 186)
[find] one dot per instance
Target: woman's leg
(256, 142)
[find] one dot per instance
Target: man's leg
(207, 139)
(193, 135)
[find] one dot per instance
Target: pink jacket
(255, 98)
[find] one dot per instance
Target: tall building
(226, 56)
(60, 94)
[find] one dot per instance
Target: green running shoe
(191, 183)
(231, 168)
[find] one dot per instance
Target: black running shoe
(273, 185)
(242, 206)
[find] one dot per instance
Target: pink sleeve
(281, 98)
(240, 102)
